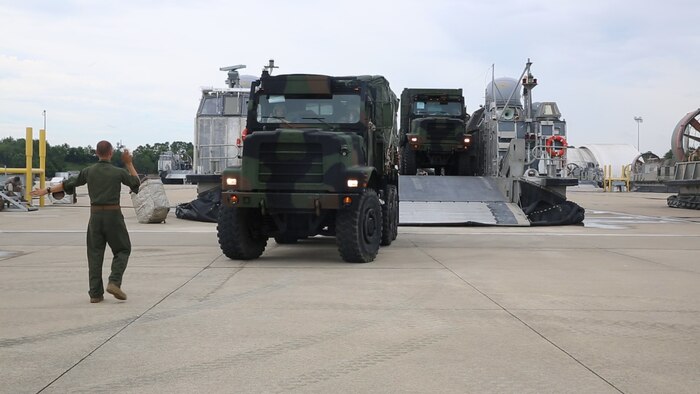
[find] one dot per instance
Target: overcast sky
(131, 71)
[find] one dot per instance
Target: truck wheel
(390, 215)
(238, 236)
(358, 231)
(408, 161)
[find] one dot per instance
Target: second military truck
(433, 132)
(319, 157)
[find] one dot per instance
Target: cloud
(131, 71)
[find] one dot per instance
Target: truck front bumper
(289, 202)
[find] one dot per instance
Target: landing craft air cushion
(518, 157)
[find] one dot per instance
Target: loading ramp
(456, 200)
(14, 203)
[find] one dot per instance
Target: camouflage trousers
(106, 228)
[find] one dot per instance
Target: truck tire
(390, 215)
(358, 230)
(238, 237)
(408, 161)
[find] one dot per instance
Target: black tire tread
(235, 239)
(348, 226)
(389, 214)
(408, 161)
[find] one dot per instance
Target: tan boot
(95, 300)
(114, 290)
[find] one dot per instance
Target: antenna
(233, 79)
(270, 66)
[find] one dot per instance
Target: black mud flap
(547, 208)
(204, 209)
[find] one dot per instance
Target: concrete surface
(612, 306)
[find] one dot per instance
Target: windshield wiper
(320, 119)
(280, 118)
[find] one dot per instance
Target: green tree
(12, 152)
(146, 159)
(181, 146)
(69, 158)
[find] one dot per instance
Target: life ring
(556, 151)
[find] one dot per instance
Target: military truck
(433, 133)
(319, 157)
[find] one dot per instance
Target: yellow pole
(42, 163)
(28, 173)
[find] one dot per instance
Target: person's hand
(126, 157)
(38, 192)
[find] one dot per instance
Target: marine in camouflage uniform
(106, 224)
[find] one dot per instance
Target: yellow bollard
(42, 163)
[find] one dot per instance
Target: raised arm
(128, 161)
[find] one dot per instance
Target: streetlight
(639, 120)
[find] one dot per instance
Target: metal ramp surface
(456, 200)
(14, 203)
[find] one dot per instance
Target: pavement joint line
(378, 356)
(155, 316)
(125, 327)
(220, 285)
(59, 231)
(335, 268)
(670, 267)
(476, 233)
(628, 215)
(523, 322)
(522, 234)
(256, 354)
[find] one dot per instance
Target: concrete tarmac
(611, 306)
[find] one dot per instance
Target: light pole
(639, 120)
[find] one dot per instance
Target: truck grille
(290, 163)
(442, 131)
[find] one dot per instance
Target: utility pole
(639, 120)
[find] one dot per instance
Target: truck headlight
(353, 182)
(231, 182)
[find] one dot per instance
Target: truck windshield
(449, 108)
(339, 109)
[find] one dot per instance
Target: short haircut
(103, 148)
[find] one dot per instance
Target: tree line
(62, 158)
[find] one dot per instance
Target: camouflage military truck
(433, 133)
(319, 157)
